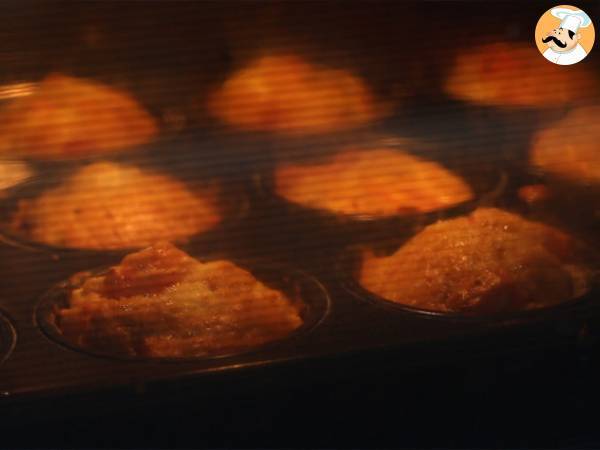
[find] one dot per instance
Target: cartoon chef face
(564, 41)
(561, 40)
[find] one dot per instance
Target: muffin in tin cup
(489, 264)
(163, 304)
(112, 207)
(374, 186)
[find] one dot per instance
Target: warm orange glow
(490, 261)
(512, 74)
(569, 148)
(68, 117)
(379, 182)
(286, 94)
(107, 205)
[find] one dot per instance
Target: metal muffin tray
(295, 241)
(41, 365)
(359, 348)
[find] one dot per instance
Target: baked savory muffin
(375, 182)
(12, 173)
(570, 149)
(489, 261)
(109, 206)
(287, 95)
(160, 302)
(515, 75)
(69, 117)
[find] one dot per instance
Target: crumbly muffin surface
(160, 302)
(489, 261)
(109, 206)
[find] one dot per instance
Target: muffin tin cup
(8, 338)
(567, 198)
(488, 182)
(494, 133)
(137, 153)
(233, 203)
(319, 225)
(303, 289)
(560, 203)
(348, 265)
(509, 129)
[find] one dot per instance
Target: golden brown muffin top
(68, 117)
(489, 261)
(515, 75)
(12, 173)
(378, 182)
(570, 148)
(286, 94)
(107, 205)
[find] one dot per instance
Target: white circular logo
(565, 35)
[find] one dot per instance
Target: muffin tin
(268, 231)
(345, 319)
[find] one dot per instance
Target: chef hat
(572, 19)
